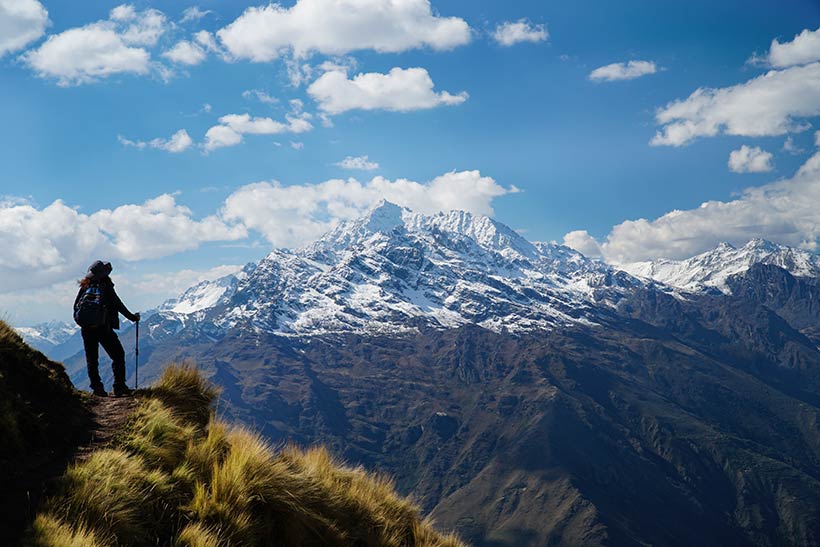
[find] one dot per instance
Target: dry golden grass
(51, 532)
(178, 479)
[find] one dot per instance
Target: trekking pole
(137, 352)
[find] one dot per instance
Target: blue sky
(92, 94)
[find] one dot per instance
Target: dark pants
(95, 337)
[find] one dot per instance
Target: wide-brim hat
(99, 269)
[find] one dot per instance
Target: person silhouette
(98, 282)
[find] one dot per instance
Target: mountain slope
(42, 420)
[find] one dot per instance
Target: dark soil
(108, 418)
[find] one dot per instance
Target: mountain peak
(384, 216)
(759, 243)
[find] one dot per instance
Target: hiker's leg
(112, 346)
(91, 344)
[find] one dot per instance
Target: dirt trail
(109, 416)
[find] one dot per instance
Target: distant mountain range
(712, 269)
(528, 394)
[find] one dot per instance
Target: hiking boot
(99, 390)
(122, 390)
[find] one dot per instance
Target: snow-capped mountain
(711, 270)
(51, 332)
(395, 270)
(57, 339)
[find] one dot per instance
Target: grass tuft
(197, 535)
(158, 435)
(182, 388)
(48, 531)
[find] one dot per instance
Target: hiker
(96, 310)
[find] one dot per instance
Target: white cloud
(298, 71)
(771, 104)
(817, 139)
(43, 246)
(83, 55)
(785, 212)
(790, 147)
(260, 96)
(297, 145)
(750, 160)
(803, 49)
(399, 90)
(193, 14)
(510, 33)
(221, 136)
(623, 71)
(21, 22)
(185, 52)
(233, 126)
(290, 216)
(98, 50)
(358, 162)
(244, 123)
(142, 28)
(336, 27)
(159, 287)
(581, 241)
(179, 142)
(207, 41)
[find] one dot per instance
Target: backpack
(90, 310)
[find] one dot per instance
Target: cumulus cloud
(233, 126)
(803, 49)
(336, 27)
(179, 142)
(221, 136)
(399, 90)
(291, 216)
(750, 160)
(358, 162)
(42, 246)
(581, 241)
(21, 22)
(623, 71)
(297, 145)
(774, 103)
(785, 212)
(186, 53)
(511, 33)
(244, 123)
(98, 50)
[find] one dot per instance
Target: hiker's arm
(122, 309)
